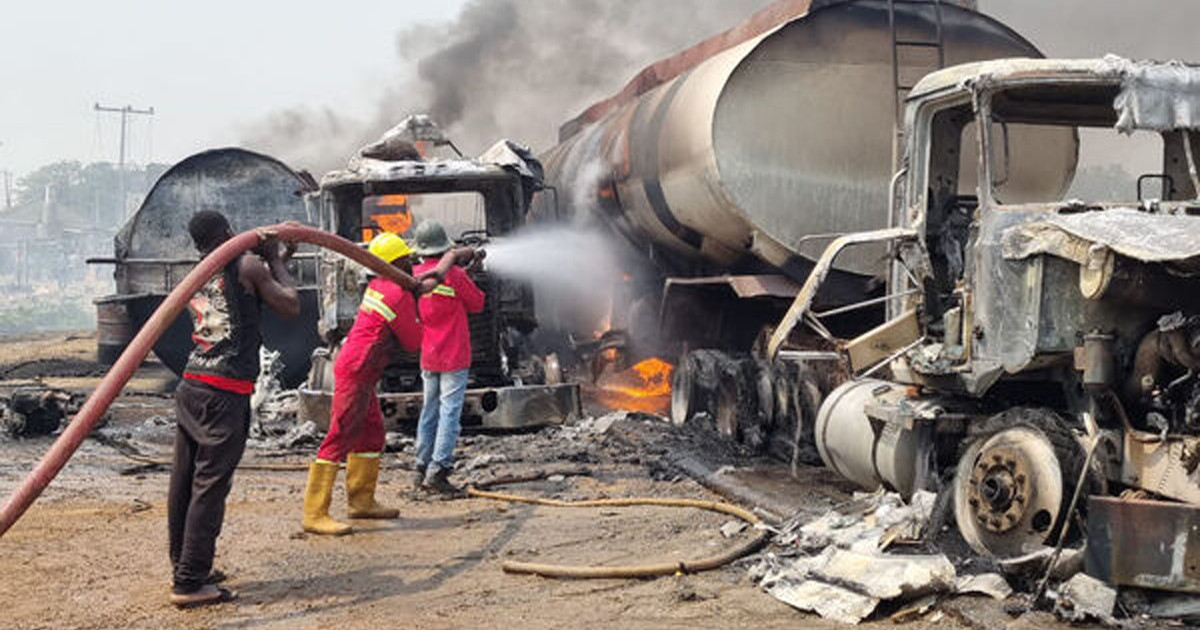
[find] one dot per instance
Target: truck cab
(1042, 339)
(1081, 165)
(478, 201)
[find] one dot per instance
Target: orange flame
(643, 387)
(387, 201)
(397, 222)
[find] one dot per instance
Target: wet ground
(91, 553)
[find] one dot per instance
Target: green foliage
(81, 192)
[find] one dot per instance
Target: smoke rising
(506, 68)
(1147, 29)
(571, 269)
(503, 68)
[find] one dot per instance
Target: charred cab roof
(366, 172)
(1150, 95)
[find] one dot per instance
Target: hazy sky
(208, 68)
(212, 68)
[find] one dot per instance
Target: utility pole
(125, 112)
(7, 177)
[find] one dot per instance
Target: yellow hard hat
(389, 247)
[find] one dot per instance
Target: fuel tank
(746, 152)
(867, 452)
(153, 250)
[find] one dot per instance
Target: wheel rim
(682, 398)
(1008, 492)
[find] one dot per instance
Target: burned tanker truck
(946, 303)
(477, 200)
(387, 186)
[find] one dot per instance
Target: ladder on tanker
(937, 44)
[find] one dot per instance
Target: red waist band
(224, 383)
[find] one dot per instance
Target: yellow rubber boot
(317, 496)
(362, 474)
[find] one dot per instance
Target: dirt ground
(91, 553)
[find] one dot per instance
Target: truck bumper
(489, 407)
(1149, 544)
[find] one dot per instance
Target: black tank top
(225, 324)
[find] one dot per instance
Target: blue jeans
(441, 415)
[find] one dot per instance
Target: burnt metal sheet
(1148, 544)
(249, 188)
(1154, 95)
(1159, 96)
(1128, 232)
(744, 286)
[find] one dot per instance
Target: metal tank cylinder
(756, 154)
(868, 452)
(153, 251)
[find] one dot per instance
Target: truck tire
(693, 386)
(807, 397)
(993, 521)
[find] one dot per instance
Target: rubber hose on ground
(633, 571)
(112, 383)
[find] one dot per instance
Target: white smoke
(558, 259)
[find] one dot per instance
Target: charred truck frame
(509, 385)
(1055, 340)
(890, 275)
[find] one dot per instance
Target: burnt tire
(693, 386)
(807, 397)
(797, 394)
(1066, 449)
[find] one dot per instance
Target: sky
(213, 69)
(208, 68)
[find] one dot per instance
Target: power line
(125, 112)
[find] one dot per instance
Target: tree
(83, 195)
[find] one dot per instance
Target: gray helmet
(431, 239)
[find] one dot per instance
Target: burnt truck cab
(477, 200)
(1042, 342)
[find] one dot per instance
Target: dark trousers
(209, 440)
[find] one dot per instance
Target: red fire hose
(112, 383)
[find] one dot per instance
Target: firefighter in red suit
(445, 360)
(386, 323)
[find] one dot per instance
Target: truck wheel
(783, 426)
(806, 400)
(692, 386)
(743, 402)
(728, 411)
(1014, 481)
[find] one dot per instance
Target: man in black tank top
(213, 398)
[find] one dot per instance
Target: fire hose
(633, 571)
(110, 386)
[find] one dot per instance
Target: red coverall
(387, 321)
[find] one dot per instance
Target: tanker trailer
(729, 167)
(153, 252)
